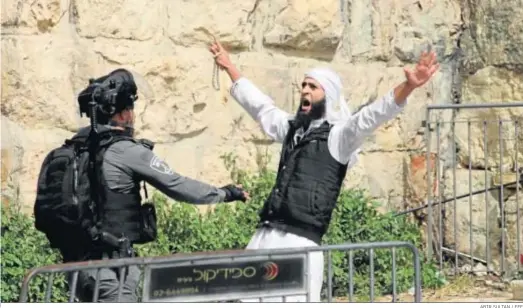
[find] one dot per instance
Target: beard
(304, 118)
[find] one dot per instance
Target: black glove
(233, 193)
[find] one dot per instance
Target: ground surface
(462, 289)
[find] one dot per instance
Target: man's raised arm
(347, 137)
(273, 120)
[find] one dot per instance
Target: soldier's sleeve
(159, 174)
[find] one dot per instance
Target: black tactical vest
(307, 186)
(122, 215)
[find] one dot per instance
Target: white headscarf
(336, 109)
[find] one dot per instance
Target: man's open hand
(423, 71)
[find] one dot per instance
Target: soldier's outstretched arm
(149, 167)
(273, 120)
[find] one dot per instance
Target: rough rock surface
(51, 47)
(483, 148)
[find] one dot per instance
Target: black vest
(121, 214)
(307, 186)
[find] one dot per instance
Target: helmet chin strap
(129, 129)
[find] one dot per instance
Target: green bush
(183, 229)
(23, 248)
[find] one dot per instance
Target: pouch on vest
(148, 224)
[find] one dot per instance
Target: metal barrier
(473, 186)
(229, 276)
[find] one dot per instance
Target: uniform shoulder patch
(158, 165)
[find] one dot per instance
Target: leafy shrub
(23, 248)
(182, 228)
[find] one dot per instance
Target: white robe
(345, 138)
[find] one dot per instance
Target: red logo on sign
(271, 270)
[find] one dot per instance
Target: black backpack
(65, 208)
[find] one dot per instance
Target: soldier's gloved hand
(234, 193)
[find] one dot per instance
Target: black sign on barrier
(225, 279)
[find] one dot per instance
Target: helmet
(110, 94)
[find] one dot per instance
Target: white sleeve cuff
(237, 83)
(394, 107)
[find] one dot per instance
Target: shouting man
(320, 143)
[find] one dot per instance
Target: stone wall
(51, 47)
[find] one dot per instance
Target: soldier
(122, 163)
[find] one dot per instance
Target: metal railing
(229, 276)
(473, 186)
